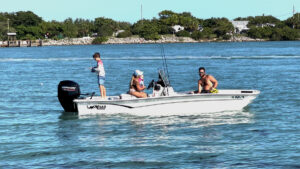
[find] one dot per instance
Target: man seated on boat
(136, 86)
(207, 83)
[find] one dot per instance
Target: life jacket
(141, 82)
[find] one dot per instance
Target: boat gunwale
(166, 98)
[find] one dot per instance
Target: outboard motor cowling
(67, 92)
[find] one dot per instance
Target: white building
(240, 26)
(177, 28)
(200, 28)
(267, 24)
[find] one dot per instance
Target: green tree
(219, 26)
(185, 19)
(165, 29)
(84, 27)
(260, 20)
(99, 40)
(3, 18)
(261, 32)
(105, 27)
(3, 30)
(69, 28)
(27, 18)
(208, 33)
(189, 22)
(124, 34)
(168, 18)
(197, 35)
(276, 34)
(147, 29)
(29, 32)
(124, 26)
(294, 21)
(290, 34)
(3, 26)
(183, 33)
(244, 19)
(285, 33)
(54, 29)
(254, 33)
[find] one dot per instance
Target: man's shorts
(205, 91)
(101, 80)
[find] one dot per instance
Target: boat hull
(179, 104)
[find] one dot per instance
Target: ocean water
(36, 133)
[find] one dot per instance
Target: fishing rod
(165, 71)
(165, 65)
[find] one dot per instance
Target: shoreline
(138, 40)
(129, 40)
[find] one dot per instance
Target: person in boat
(136, 86)
(99, 69)
(207, 83)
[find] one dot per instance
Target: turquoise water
(35, 133)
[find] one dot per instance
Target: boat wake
(202, 57)
(149, 58)
(40, 59)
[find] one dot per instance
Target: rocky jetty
(68, 41)
(132, 40)
(164, 39)
(244, 39)
(138, 40)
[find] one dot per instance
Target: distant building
(267, 24)
(94, 34)
(11, 36)
(200, 28)
(12, 39)
(177, 28)
(240, 26)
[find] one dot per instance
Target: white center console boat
(163, 101)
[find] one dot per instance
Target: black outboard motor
(67, 92)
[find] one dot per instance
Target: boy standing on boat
(101, 73)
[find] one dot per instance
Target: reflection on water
(68, 115)
(201, 120)
(134, 137)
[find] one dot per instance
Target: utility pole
(293, 17)
(141, 11)
(293, 10)
(7, 25)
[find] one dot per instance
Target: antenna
(141, 11)
(293, 10)
(293, 16)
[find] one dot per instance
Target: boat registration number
(238, 97)
(98, 107)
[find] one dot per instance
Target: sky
(130, 10)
